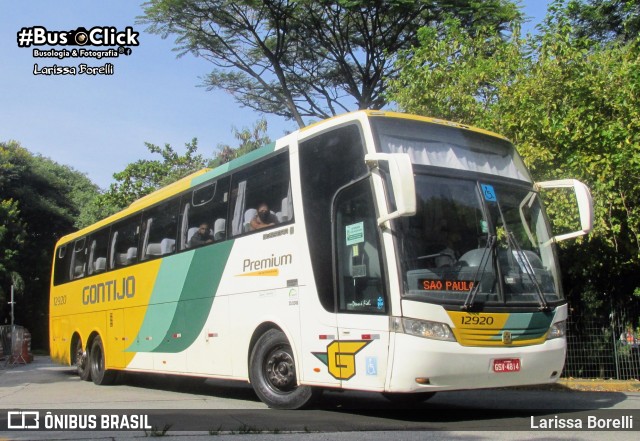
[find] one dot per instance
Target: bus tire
(99, 374)
(408, 398)
(272, 373)
(81, 361)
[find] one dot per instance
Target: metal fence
(607, 348)
(15, 345)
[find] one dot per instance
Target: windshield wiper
(488, 251)
(524, 264)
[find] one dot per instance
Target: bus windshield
(473, 240)
(450, 147)
(474, 243)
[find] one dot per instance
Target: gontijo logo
(96, 36)
(340, 357)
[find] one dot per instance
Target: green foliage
(12, 235)
(605, 20)
(249, 140)
(40, 201)
(144, 176)
(308, 58)
(572, 107)
(457, 74)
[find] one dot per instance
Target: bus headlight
(557, 330)
(427, 329)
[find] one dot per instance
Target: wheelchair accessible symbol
(489, 193)
(372, 366)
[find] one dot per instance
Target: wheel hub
(81, 357)
(281, 370)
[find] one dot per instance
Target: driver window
(360, 282)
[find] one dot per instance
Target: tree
(572, 107)
(306, 58)
(40, 201)
(145, 176)
(459, 75)
(604, 20)
(142, 177)
(249, 139)
(12, 235)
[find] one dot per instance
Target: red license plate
(506, 365)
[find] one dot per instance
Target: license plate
(506, 365)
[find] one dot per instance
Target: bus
(373, 251)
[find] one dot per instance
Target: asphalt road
(201, 409)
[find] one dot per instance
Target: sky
(97, 124)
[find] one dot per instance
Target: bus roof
(409, 116)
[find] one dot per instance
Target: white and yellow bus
(394, 253)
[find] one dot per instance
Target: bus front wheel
(80, 361)
(272, 373)
(99, 374)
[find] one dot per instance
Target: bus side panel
(180, 306)
(90, 324)
(210, 353)
(261, 284)
(132, 318)
(114, 340)
(254, 309)
(112, 304)
(59, 343)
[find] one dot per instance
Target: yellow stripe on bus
(264, 273)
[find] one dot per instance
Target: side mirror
(585, 205)
(403, 186)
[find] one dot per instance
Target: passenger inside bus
(263, 218)
(448, 255)
(201, 237)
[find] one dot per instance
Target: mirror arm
(402, 183)
(585, 205)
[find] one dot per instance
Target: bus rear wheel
(272, 372)
(80, 360)
(99, 374)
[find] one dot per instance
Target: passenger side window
(78, 260)
(159, 229)
(360, 276)
(261, 196)
(98, 250)
(63, 261)
(204, 215)
(124, 243)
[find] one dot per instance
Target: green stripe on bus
(196, 298)
(527, 326)
(182, 298)
(236, 163)
(168, 285)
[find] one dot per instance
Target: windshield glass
(477, 243)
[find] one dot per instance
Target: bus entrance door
(363, 323)
(363, 351)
